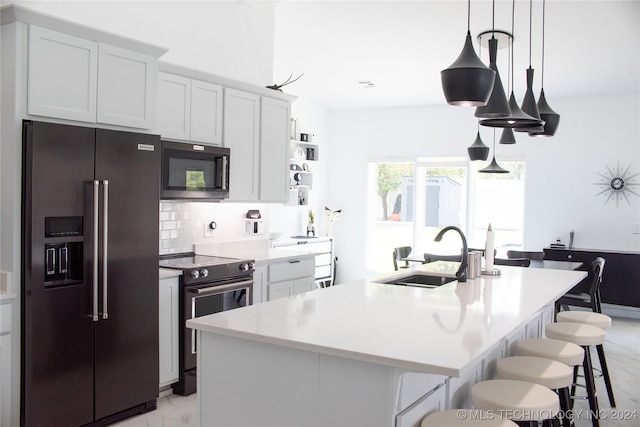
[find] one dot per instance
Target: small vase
(311, 230)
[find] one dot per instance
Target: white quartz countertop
(260, 251)
(438, 330)
(166, 273)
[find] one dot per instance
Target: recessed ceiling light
(367, 84)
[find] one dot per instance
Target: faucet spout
(461, 274)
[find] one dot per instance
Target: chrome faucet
(461, 274)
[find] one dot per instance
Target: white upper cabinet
(189, 109)
(274, 150)
(174, 106)
(126, 87)
(78, 79)
(62, 79)
(242, 136)
(206, 112)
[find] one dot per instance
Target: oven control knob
(244, 266)
(204, 272)
(194, 274)
(252, 266)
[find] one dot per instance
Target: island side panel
(247, 383)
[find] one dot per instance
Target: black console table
(621, 278)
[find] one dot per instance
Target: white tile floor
(622, 349)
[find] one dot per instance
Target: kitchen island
(366, 353)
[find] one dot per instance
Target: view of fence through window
(405, 211)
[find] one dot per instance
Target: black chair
(517, 262)
(436, 257)
(399, 254)
(534, 255)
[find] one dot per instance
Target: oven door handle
(218, 289)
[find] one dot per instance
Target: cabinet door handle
(294, 261)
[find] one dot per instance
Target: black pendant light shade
(493, 167)
(529, 104)
(497, 106)
(518, 118)
(507, 136)
(550, 117)
(467, 82)
(478, 150)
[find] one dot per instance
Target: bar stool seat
(561, 351)
(577, 333)
(465, 417)
(517, 400)
(546, 372)
(584, 336)
(598, 320)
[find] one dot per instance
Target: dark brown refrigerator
(90, 274)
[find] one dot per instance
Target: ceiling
(591, 48)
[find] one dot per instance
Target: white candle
(488, 250)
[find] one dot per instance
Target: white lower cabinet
(6, 311)
(433, 400)
(283, 278)
(169, 322)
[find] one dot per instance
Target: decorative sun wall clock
(617, 184)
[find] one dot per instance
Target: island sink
(420, 280)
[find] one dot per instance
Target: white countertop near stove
(258, 250)
(439, 330)
(166, 273)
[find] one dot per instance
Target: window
(409, 202)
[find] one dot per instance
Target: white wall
(560, 173)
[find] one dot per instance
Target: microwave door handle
(95, 250)
(224, 172)
(105, 240)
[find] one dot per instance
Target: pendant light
(550, 117)
(508, 137)
(518, 118)
(497, 106)
(478, 150)
(493, 167)
(529, 105)
(467, 82)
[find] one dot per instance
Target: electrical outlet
(210, 229)
(636, 228)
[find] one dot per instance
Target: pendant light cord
(493, 19)
(469, 17)
(530, 26)
(513, 14)
(542, 71)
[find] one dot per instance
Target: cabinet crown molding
(15, 13)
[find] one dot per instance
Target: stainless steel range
(209, 284)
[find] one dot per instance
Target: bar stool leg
(591, 387)
(576, 368)
(605, 375)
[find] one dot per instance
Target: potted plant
(311, 231)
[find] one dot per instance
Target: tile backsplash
(182, 224)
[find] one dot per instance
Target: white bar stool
(585, 336)
(520, 401)
(546, 372)
(561, 351)
(601, 321)
(465, 417)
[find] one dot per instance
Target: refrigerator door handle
(95, 250)
(105, 227)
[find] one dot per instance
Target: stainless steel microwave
(194, 172)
